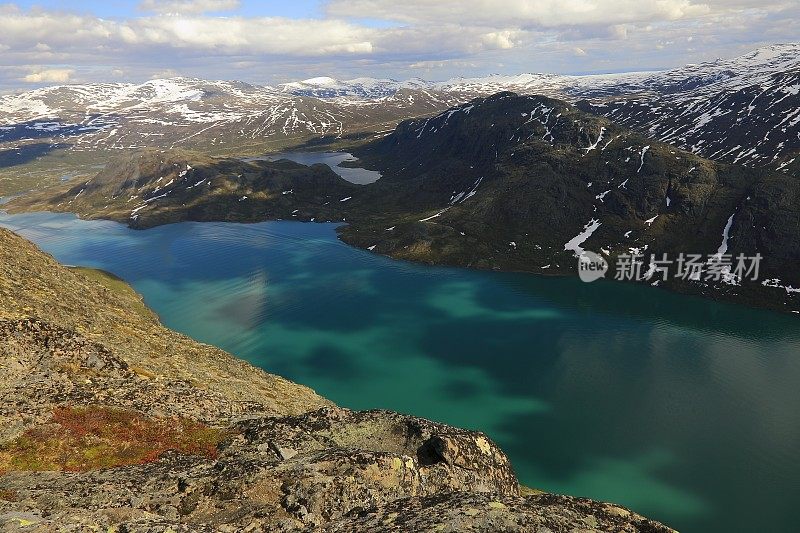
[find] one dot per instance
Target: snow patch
(440, 213)
(641, 165)
(574, 244)
(723, 248)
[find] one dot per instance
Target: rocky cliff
(109, 421)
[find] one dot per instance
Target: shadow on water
(305, 246)
(652, 304)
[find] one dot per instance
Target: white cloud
(253, 36)
(54, 75)
(521, 13)
(502, 40)
(188, 7)
(42, 30)
(444, 38)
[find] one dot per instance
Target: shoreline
(684, 289)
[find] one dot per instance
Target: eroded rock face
(110, 422)
(334, 462)
(320, 471)
(296, 472)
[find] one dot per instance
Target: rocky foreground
(110, 421)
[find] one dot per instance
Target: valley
(505, 182)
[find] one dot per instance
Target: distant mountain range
(744, 110)
(369, 88)
(193, 113)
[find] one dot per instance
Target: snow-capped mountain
(744, 110)
(467, 88)
(757, 125)
(193, 112)
(325, 87)
(701, 79)
(733, 74)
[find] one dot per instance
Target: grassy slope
(119, 288)
(34, 285)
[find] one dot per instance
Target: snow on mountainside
(192, 112)
(552, 85)
(742, 110)
(710, 77)
(466, 88)
(745, 110)
(728, 74)
(325, 87)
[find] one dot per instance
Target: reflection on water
(681, 408)
(360, 176)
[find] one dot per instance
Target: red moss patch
(78, 439)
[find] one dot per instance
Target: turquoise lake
(684, 409)
(360, 176)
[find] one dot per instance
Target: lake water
(332, 159)
(683, 409)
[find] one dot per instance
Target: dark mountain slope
(523, 183)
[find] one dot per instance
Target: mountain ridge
(505, 182)
(553, 179)
(703, 108)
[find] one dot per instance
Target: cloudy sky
(46, 42)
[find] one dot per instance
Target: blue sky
(120, 9)
(48, 41)
(128, 8)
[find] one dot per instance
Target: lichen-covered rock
(334, 461)
(458, 513)
(45, 366)
(447, 458)
(305, 471)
